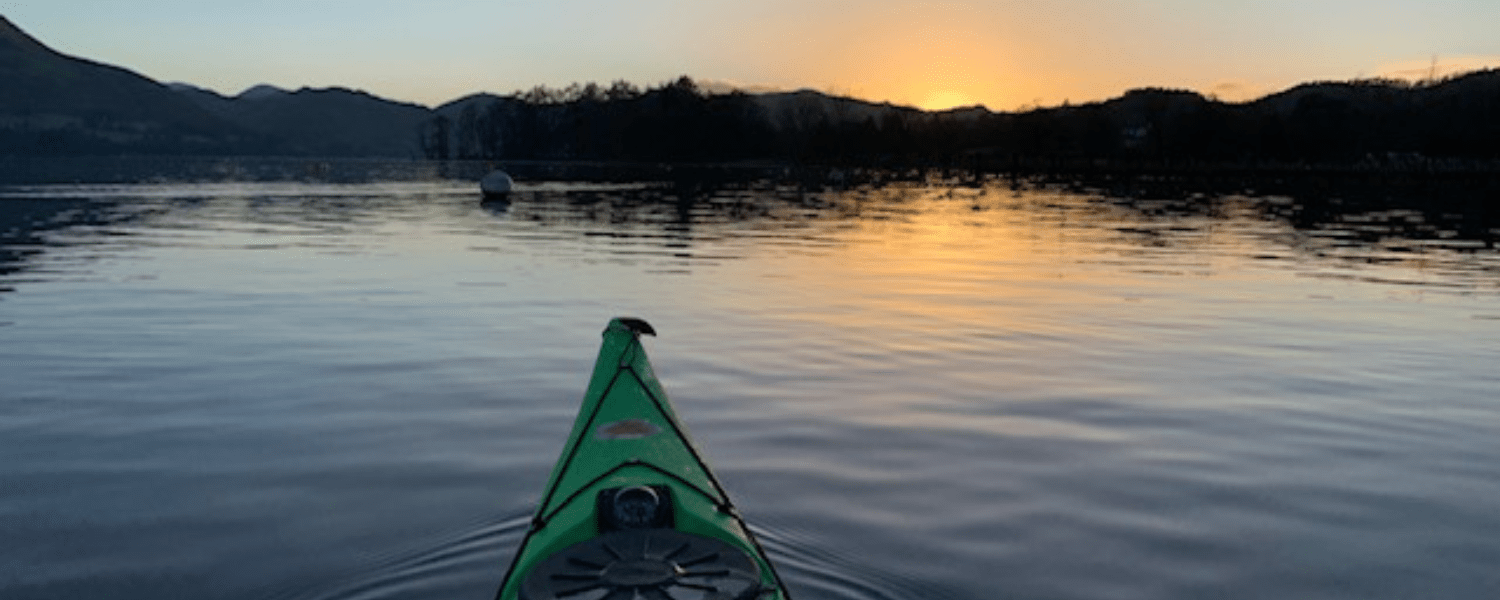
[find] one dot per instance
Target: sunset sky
(1005, 54)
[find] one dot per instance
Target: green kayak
(631, 509)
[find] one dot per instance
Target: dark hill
(324, 122)
(51, 103)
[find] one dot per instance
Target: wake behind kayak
(631, 509)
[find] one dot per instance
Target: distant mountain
(206, 99)
(1452, 124)
(261, 92)
(324, 122)
(51, 103)
(479, 101)
(807, 108)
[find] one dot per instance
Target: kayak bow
(631, 509)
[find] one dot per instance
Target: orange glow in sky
(1004, 54)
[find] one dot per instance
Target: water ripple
(454, 567)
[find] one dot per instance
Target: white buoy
(496, 185)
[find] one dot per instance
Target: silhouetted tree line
(674, 122)
(1380, 123)
(1374, 122)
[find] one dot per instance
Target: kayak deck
(631, 510)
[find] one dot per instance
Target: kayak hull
(631, 506)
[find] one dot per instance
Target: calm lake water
(302, 390)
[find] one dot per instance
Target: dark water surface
(339, 391)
